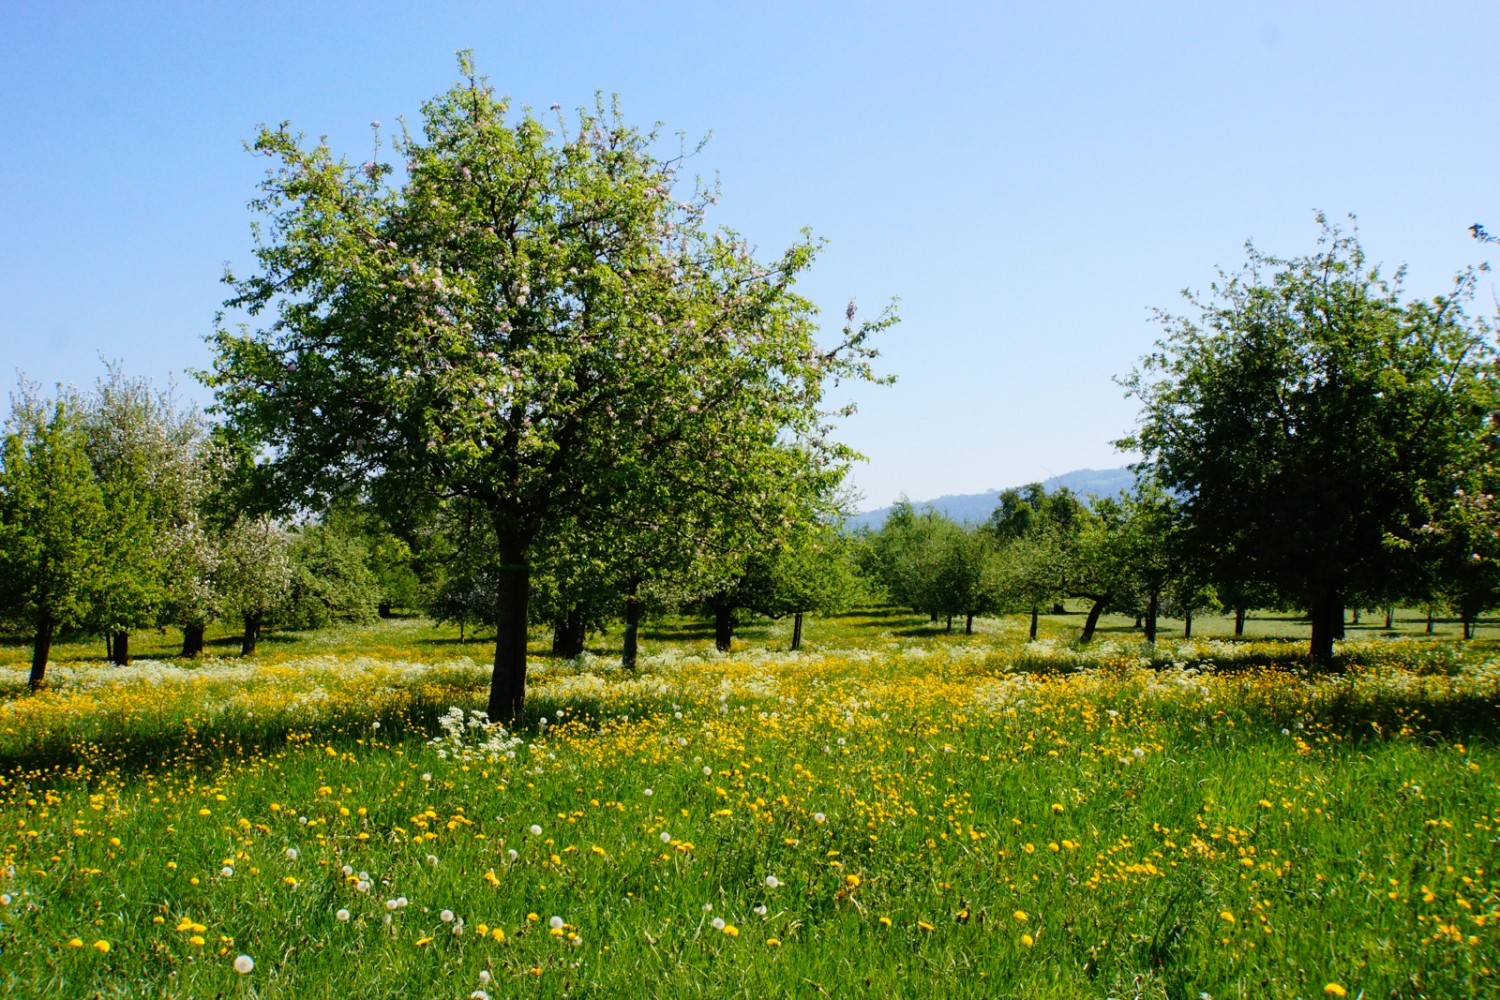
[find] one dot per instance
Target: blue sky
(1030, 179)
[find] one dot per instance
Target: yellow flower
(196, 939)
(885, 921)
(853, 880)
(1020, 915)
(1227, 917)
(731, 930)
(1335, 990)
(1057, 807)
(924, 925)
(772, 943)
(498, 934)
(102, 947)
(75, 942)
(1028, 940)
(423, 940)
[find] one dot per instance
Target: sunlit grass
(894, 811)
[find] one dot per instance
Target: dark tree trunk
(508, 683)
(1187, 624)
(723, 627)
(1390, 614)
(949, 626)
(109, 646)
(932, 617)
(1031, 636)
(384, 609)
(559, 636)
(797, 630)
(1140, 621)
(1153, 608)
(461, 638)
(1239, 621)
(122, 649)
(192, 640)
(1468, 622)
(41, 648)
(1355, 614)
(251, 636)
(574, 632)
(1058, 608)
(969, 623)
(632, 624)
(1092, 621)
(1325, 614)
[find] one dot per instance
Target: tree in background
(1033, 529)
(1311, 422)
(52, 517)
(255, 573)
(148, 456)
(526, 323)
(331, 578)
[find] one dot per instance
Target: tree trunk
(122, 649)
(109, 646)
(384, 609)
(723, 627)
(1336, 619)
(1468, 623)
(969, 623)
(932, 617)
(508, 682)
(1355, 614)
(1187, 624)
(1031, 636)
(192, 640)
(1153, 608)
(1390, 614)
(632, 624)
(1092, 622)
(41, 648)
(574, 632)
(949, 626)
(1429, 621)
(797, 630)
(252, 634)
(1239, 621)
(1325, 613)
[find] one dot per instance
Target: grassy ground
(894, 812)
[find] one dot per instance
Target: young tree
(1310, 422)
(255, 573)
(52, 516)
(525, 322)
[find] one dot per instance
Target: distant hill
(977, 507)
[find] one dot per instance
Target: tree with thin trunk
(255, 574)
(52, 517)
(532, 319)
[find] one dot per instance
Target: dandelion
(718, 923)
(484, 977)
(5, 899)
(102, 947)
(773, 943)
(536, 830)
(342, 914)
(513, 854)
(446, 916)
(1028, 940)
(1227, 917)
(1056, 808)
(819, 818)
(648, 793)
(1021, 915)
(772, 881)
(291, 854)
(226, 871)
(347, 870)
(1335, 990)
(556, 923)
(760, 910)
(75, 942)
(666, 838)
(390, 904)
(730, 930)
(244, 964)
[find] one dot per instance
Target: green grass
(947, 815)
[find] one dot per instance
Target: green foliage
(52, 516)
(534, 323)
(331, 579)
(1312, 424)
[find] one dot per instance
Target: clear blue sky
(1030, 179)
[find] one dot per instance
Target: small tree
(52, 517)
(255, 573)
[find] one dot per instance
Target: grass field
(893, 812)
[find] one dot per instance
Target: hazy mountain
(977, 507)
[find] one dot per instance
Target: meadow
(893, 811)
